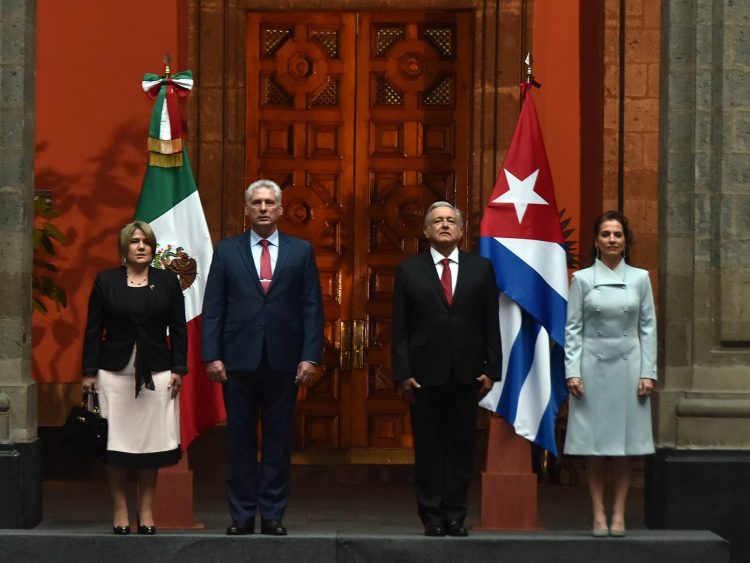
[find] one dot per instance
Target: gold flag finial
(529, 73)
(528, 62)
(166, 61)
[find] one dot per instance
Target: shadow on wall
(94, 202)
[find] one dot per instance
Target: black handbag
(86, 429)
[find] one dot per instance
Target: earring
(598, 253)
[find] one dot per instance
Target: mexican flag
(170, 203)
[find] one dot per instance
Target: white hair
(434, 206)
(270, 184)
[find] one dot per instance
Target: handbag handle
(94, 399)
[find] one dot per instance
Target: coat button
(598, 309)
(599, 333)
(624, 356)
(625, 309)
(598, 356)
(624, 333)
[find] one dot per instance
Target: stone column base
(21, 484)
(701, 490)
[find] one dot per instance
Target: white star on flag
(521, 193)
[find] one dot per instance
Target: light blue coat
(610, 343)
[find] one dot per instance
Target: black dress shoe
(146, 530)
(121, 530)
(434, 529)
(455, 529)
(240, 528)
(272, 528)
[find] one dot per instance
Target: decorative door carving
(363, 120)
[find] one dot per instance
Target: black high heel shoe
(145, 530)
(121, 530)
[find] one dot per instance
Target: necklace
(137, 281)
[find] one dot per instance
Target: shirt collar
(273, 239)
(437, 257)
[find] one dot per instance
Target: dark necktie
(265, 266)
(446, 280)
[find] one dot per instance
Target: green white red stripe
(170, 203)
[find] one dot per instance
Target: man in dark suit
(262, 338)
(446, 354)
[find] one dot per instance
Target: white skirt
(144, 432)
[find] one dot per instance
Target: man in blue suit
(262, 338)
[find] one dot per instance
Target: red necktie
(446, 280)
(265, 266)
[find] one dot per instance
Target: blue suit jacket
(238, 317)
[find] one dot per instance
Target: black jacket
(432, 340)
(111, 330)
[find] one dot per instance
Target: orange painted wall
(557, 68)
(91, 129)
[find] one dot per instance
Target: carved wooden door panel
(363, 120)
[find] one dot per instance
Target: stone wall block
(653, 80)
(737, 47)
(642, 46)
(651, 151)
(680, 12)
(680, 49)
(679, 214)
(23, 411)
(735, 172)
(652, 14)
(14, 166)
(736, 13)
(681, 91)
(641, 115)
(636, 80)
(737, 88)
(680, 174)
(11, 208)
(12, 39)
(633, 150)
(738, 133)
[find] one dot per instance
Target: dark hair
(613, 216)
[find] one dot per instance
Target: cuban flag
(520, 232)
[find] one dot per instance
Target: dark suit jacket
(238, 317)
(432, 340)
(111, 330)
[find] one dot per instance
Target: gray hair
(270, 184)
(434, 206)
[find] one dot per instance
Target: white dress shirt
(453, 257)
(256, 248)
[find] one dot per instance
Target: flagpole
(529, 82)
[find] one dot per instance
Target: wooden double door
(363, 120)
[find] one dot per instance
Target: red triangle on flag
(523, 203)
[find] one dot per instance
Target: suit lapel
(281, 259)
(604, 276)
(431, 274)
(246, 257)
(463, 272)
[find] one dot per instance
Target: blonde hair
(126, 235)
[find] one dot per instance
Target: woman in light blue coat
(610, 366)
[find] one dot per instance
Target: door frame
(216, 132)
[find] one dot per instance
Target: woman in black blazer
(136, 370)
